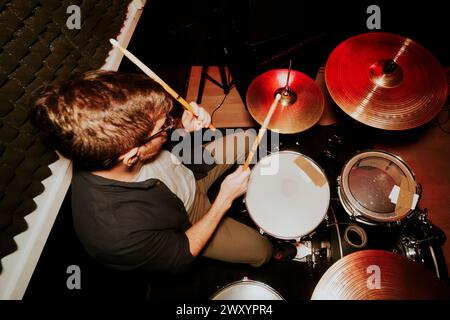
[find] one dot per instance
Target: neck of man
(120, 172)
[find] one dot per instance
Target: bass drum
(246, 289)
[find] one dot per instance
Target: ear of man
(129, 158)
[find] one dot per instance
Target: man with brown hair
(134, 205)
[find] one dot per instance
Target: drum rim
(325, 211)
(357, 210)
(352, 213)
(247, 281)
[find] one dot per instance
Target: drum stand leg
(226, 83)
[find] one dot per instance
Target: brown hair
(99, 115)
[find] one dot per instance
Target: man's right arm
(232, 187)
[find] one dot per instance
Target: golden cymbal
(386, 81)
(354, 278)
(300, 107)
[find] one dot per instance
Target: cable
(232, 85)
(220, 105)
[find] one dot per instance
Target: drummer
(133, 205)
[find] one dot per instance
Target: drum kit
(383, 81)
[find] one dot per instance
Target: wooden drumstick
(262, 130)
(155, 77)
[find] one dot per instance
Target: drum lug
(419, 190)
(423, 214)
(322, 254)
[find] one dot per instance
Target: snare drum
(371, 185)
(288, 195)
(246, 289)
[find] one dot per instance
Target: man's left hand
(192, 123)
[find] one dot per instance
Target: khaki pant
(232, 241)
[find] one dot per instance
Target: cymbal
(300, 107)
(352, 278)
(386, 81)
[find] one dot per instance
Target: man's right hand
(235, 184)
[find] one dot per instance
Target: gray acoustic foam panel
(38, 49)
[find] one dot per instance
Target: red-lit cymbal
(356, 276)
(297, 111)
(386, 81)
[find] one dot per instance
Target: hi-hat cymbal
(300, 107)
(354, 278)
(386, 81)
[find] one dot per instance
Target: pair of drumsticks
(189, 108)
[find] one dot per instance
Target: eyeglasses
(168, 124)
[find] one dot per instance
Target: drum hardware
(386, 81)
(246, 289)
(354, 277)
(419, 229)
(338, 232)
(420, 240)
(427, 255)
(323, 254)
(334, 239)
(321, 244)
(314, 255)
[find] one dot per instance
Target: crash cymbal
(386, 81)
(354, 278)
(300, 107)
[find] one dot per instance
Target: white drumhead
(247, 290)
(282, 198)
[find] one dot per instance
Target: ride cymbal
(386, 81)
(354, 277)
(301, 103)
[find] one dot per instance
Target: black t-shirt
(130, 225)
